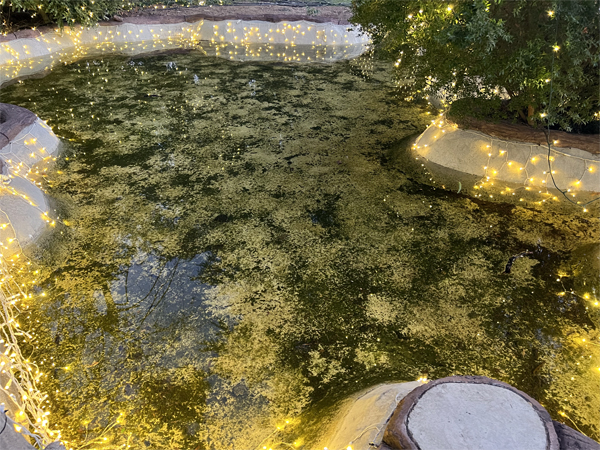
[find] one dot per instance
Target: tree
(537, 60)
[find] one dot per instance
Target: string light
(423, 379)
(326, 42)
(23, 375)
(497, 166)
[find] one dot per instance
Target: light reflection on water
(248, 244)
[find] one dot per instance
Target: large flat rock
(470, 413)
(457, 416)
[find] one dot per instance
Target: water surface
(241, 245)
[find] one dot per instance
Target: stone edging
(570, 439)
(13, 119)
(266, 12)
(495, 159)
(37, 51)
(25, 141)
(361, 424)
(397, 434)
(339, 15)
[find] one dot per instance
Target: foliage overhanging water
(243, 244)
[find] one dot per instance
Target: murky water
(241, 245)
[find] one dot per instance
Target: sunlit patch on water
(248, 243)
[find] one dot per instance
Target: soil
(266, 12)
(525, 133)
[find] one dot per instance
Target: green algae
(240, 245)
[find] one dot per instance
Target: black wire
(5, 422)
(564, 193)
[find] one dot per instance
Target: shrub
(68, 12)
(522, 49)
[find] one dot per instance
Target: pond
(241, 245)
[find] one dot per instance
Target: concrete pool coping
(525, 133)
(35, 52)
(339, 15)
(495, 421)
(26, 143)
(494, 159)
(267, 12)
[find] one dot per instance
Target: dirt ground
(272, 12)
(524, 133)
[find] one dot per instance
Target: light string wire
(547, 133)
(20, 378)
(23, 376)
(527, 183)
(490, 149)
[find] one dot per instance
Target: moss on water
(245, 247)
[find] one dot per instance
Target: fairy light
(322, 36)
(498, 163)
(24, 376)
(246, 36)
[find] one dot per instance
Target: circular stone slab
(456, 416)
(470, 413)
